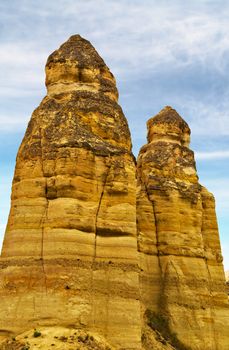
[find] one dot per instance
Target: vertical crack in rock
(99, 206)
(161, 305)
(95, 246)
(42, 245)
(45, 215)
(211, 304)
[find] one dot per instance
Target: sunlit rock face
(70, 250)
(76, 66)
(182, 275)
(89, 248)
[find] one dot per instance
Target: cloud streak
(12, 122)
(137, 40)
(143, 35)
(212, 155)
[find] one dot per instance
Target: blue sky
(161, 53)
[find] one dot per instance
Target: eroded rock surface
(182, 277)
(58, 338)
(70, 252)
(77, 259)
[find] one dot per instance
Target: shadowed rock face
(70, 251)
(182, 275)
(75, 255)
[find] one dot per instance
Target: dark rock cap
(169, 125)
(78, 50)
(169, 115)
(76, 65)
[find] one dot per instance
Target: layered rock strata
(182, 277)
(81, 256)
(69, 256)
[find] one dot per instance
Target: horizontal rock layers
(182, 276)
(70, 251)
(88, 247)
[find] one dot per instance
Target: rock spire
(69, 255)
(77, 66)
(107, 253)
(182, 277)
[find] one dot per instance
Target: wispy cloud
(219, 187)
(13, 122)
(209, 116)
(23, 72)
(135, 39)
(212, 155)
(21, 53)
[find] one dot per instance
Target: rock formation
(69, 255)
(182, 277)
(80, 253)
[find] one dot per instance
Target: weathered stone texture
(181, 275)
(70, 252)
(80, 250)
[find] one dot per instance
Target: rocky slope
(60, 338)
(89, 252)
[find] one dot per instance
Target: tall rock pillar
(182, 277)
(70, 250)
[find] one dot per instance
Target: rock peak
(76, 65)
(78, 50)
(170, 116)
(77, 37)
(80, 174)
(168, 125)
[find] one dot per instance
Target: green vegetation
(63, 338)
(160, 323)
(25, 347)
(36, 333)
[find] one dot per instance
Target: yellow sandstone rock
(91, 252)
(70, 256)
(182, 278)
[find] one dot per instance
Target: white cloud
(22, 72)
(20, 53)
(135, 39)
(155, 35)
(13, 122)
(209, 117)
(220, 189)
(211, 155)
